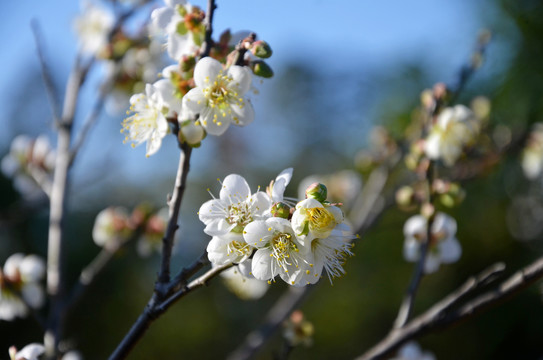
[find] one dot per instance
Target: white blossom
(312, 219)
(176, 19)
(279, 252)
(148, 124)
(219, 96)
(111, 227)
(532, 155)
(455, 128)
(20, 285)
(93, 27)
(443, 246)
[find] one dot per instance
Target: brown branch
(449, 311)
(208, 22)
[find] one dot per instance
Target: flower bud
(316, 191)
(260, 68)
(453, 196)
(405, 196)
(261, 49)
(281, 210)
(191, 132)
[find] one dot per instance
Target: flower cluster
(196, 97)
(34, 351)
(29, 162)
(20, 285)
(443, 246)
(114, 226)
(267, 238)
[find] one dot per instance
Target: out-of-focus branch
(52, 93)
(283, 307)
(454, 309)
(55, 281)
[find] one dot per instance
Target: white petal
(30, 352)
(415, 225)
(234, 189)
(33, 295)
(161, 17)
(280, 184)
(261, 267)
(450, 250)
(261, 204)
(258, 233)
(11, 266)
(243, 116)
(180, 45)
(206, 69)
(32, 268)
(207, 115)
(411, 250)
(432, 263)
(241, 78)
(193, 102)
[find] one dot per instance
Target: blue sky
(335, 36)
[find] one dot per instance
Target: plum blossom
(443, 247)
(149, 123)
(312, 219)
(219, 96)
(279, 252)
(111, 228)
(20, 285)
(277, 187)
(28, 161)
(183, 26)
(455, 128)
(93, 27)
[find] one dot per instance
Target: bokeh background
(341, 67)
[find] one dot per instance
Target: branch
(161, 286)
(52, 93)
(443, 314)
(255, 340)
(208, 22)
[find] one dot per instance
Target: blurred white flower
(443, 246)
(111, 228)
(455, 128)
(20, 285)
(183, 26)
(28, 160)
(532, 155)
(245, 287)
(29, 352)
(93, 27)
(412, 351)
(219, 96)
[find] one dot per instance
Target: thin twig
(52, 93)
(283, 307)
(443, 315)
(91, 118)
(208, 22)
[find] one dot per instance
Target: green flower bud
(261, 49)
(260, 68)
(316, 191)
(281, 210)
(405, 196)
